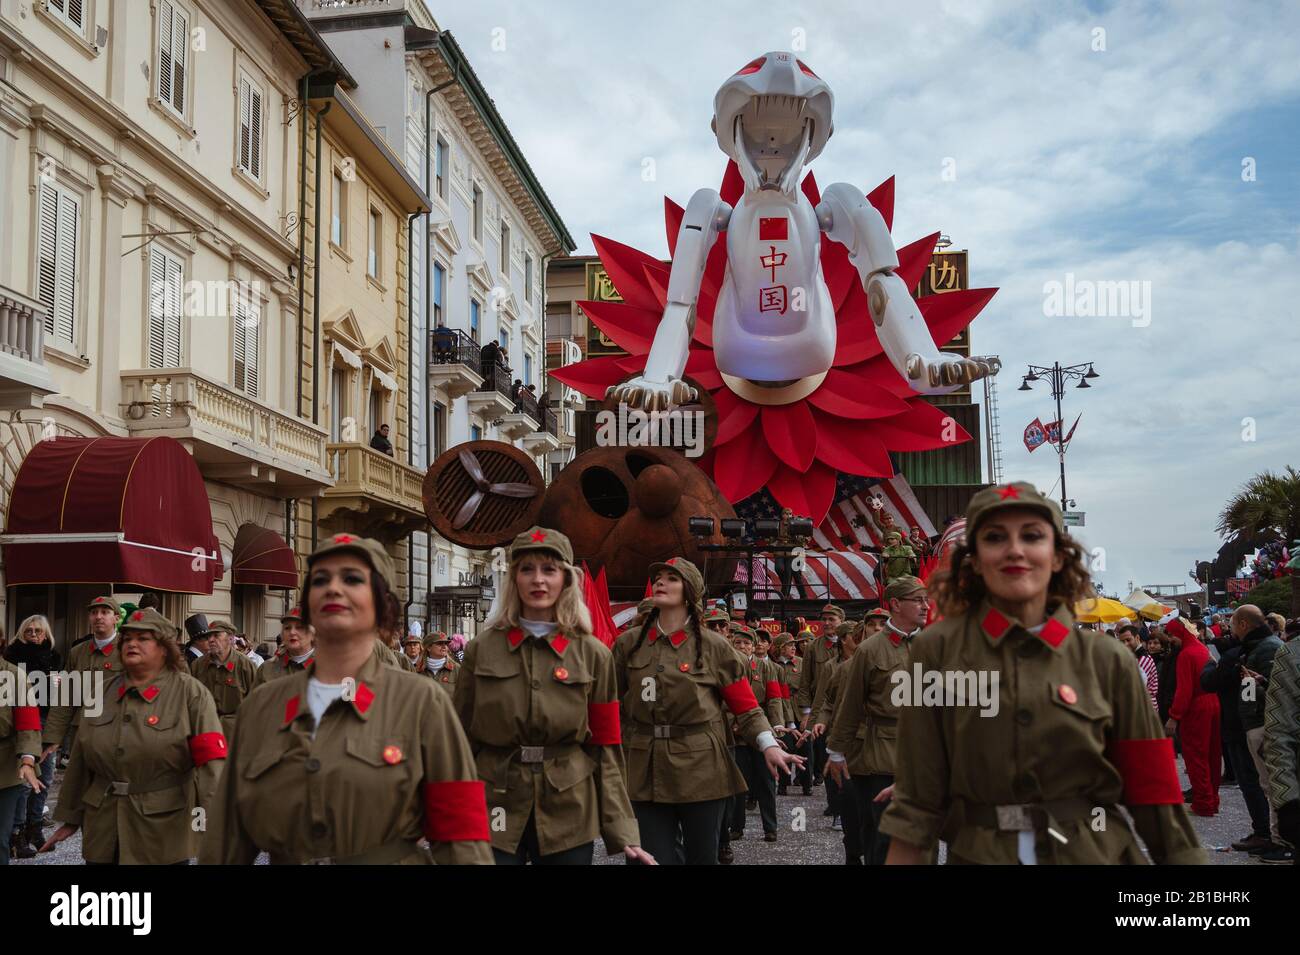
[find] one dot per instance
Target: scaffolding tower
(993, 440)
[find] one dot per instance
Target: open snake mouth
(773, 138)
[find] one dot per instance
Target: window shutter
(75, 13)
(255, 126)
(157, 309)
(174, 290)
(246, 344)
(245, 132)
(180, 44)
(47, 251)
(65, 299)
(165, 51)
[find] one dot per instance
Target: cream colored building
(156, 268)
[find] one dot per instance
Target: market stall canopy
(1146, 605)
(130, 511)
(262, 558)
(1101, 610)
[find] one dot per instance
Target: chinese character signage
(600, 289)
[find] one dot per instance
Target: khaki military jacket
(866, 717)
(446, 677)
(139, 770)
(821, 651)
(765, 681)
(20, 728)
(88, 659)
(385, 768)
(387, 657)
(281, 664)
(228, 683)
(789, 678)
(834, 693)
(1074, 732)
(542, 718)
(679, 693)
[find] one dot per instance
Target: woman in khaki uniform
(228, 675)
(437, 663)
(1033, 769)
(353, 762)
(536, 694)
(297, 649)
(142, 772)
(413, 650)
(680, 685)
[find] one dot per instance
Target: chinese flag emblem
(775, 229)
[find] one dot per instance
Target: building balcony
(492, 399)
(234, 438)
(24, 379)
(381, 493)
(454, 362)
(547, 438)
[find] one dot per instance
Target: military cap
(903, 586)
(740, 630)
(150, 620)
(370, 549)
(108, 602)
(878, 613)
(846, 628)
(545, 539)
(1016, 494)
(782, 639)
(412, 638)
(438, 637)
(220, 626)
(831, 608)
(292, 615)
(689, 573)
(717, 614)
(892, 534)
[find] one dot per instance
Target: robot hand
(941, 374)
(648, 394)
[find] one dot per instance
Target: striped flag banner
(852, 520)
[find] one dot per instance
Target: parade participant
(20, 744)
(897, 559)
(390, 638)
(33, 652)
(1282, 742)
(1018, 773)
(865, 726)
(874, 622)
(351, 762)
(825, 674)
(142, 767)
(1194, 717)
(227, 673)
(817, 654)
(846, 801)
(94, 654)
(437, 663)
(764, 681)
(787, 664)
(413, 649)
(675, 677)
(1259, 649)
(297, 648)
(196, 627)
(537, 696)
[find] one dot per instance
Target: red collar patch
(290, 710)
(676, 639)
(1053, 633)
(230, 666)
(364, 697)
(995, 625)
(107, 649)
(516, 637)
(559, 642)
(148, 694)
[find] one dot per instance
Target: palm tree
(1267, 505)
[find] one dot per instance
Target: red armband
(773, 690)
(739, 697)
(206, 747)
(785, 691)
(455, 811)
(1148, 770)
(602, 720)
(27, 718)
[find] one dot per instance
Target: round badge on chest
(1067, 694)
(683, 667)
(152, 720)
(561, 673)
(392, 755)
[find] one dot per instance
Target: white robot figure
(774, 323)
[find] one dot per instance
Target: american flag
(848, 523)
(827, 575)
(1148, 667)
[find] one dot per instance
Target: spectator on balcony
(444, 344)
(379, 440)
(491, 357)
(516, 387)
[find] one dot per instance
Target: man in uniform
(874, 623)
(297, 649)
(866, 720)
(764, 680)
(228, 675)
(897, 559)
(438, 664)
(196, 626)
(97, 654)
(821, 652)
(824, 714)
(789, 667)
(844, 634)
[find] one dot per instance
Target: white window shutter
(174, 312)
(165, 51)
(76, 13)
(247, 320)
(65, 300)
(255, 133)
(245, 126)
(157, 309)
(180, 47)
(47, 251)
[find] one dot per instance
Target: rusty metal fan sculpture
(482, 493)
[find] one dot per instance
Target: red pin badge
(561, 673)
(392, 755)
(1068, 695)
(152, 720)
(683, 667)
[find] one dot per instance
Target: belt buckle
(1014, 818)
(532, 754)
(119, 788)
(663, 731)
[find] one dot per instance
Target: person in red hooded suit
(1194, 717)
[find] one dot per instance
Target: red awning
(261, 557)
(111, 511)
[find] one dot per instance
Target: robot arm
(661, 387)
(847, 217)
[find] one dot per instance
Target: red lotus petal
(848, 446)
(733, 184)
(809, 494)
(855, 334)
(714, 268)
(949, 313)
(656, 276)
(791, 433)
(593, 376)
(632, 364)
(880, 371)
(735, 415)
(882, 197)
(632, 328)
(701, 365)
(703, 330)
(672, 223)
(923, 427)
(623, 263)
(742, 466)
(841, 274)
(850, 397)
(914, 258)
(809, 187)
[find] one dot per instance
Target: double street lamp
(1057, 375)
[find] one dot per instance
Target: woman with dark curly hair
(1020, 734)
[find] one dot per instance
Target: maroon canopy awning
(261, 557)
(111, 510)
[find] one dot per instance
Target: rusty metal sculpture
(481, 494)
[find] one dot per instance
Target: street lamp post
(1057, 375)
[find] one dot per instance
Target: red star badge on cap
(138, 615)
(539, 536)
(671, 561)
(1010, 491)
(343, 538)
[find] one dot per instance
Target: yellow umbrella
(1145, 605)
(1101, 610)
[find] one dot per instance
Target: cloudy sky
(1154, 144)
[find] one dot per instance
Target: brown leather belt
(118, 787)
(1030, 817)
(387, 854)
(668, 730)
